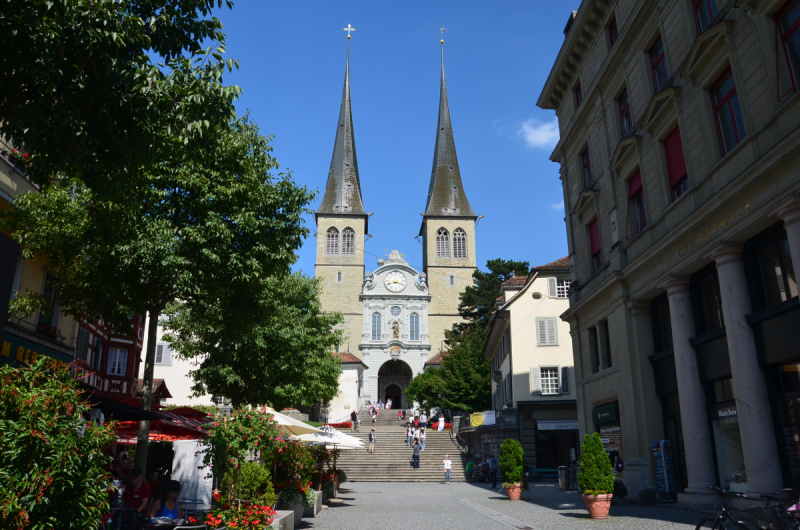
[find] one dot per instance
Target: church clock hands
(395, 281)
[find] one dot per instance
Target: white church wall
(348, 399)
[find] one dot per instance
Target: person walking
(374, 419)
(416, 453)
(389, 404)
(399, 415)
(353, 418)
(448, 465)
(441, 423)
(493, 466)
(422, 438)
(423, 420)
(409, 434)
(358, 423)
(372, 441)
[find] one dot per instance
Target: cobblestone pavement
(409, 506)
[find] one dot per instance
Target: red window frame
(658, 65)
(626, 120)
(578, 95)
(613, 32)
(586, 160)
(711, 6)
(594, 245)
(784, 37)
(728, 105)
(676, 163)
(637, 213)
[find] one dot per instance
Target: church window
(332, 244)
(339, 276)
(348, 242)
(459, 244)
(414, 326)
(452, 280)
(376, 326)
(442, 244)
(395, 311)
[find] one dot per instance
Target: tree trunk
(147, 389)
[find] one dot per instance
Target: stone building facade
(680, 127)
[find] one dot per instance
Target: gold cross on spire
(348, 29)
(442, 30)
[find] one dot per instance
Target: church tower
(341, 227)
(448, 229)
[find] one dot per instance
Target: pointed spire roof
(446, 196)
(343, 190)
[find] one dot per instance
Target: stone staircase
(392, 459)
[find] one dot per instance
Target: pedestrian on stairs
(353, 418)
(423, 420)
(409, 434)
(416, 453)
(441, 423)
(389, 404)
(493, 467)
(374, 419)
(448, 465)
(399, 415)
(372, 441)
(422, 438)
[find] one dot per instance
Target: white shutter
(167, 354)
(536, 380)
(565, 380)
(551, 288)
(160, 354)
(552, 339)
(541, 331)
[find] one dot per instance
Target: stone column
(752, 402)
(692, 398)
(788, 210)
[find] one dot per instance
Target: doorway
(394, 393)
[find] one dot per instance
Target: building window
(546, 334)
(558, 287)
(82, 347)
(613, 32)
(578, 95)
(676, 164)
(662, 324)
(117, 361)
(707, 301)
(704, 13)
(348, 242)
(586, 160)
(594, 243)
(775, 271)
(442, 244)
(658, 63)
(452, 280)
(728, 114)
(332, 244)
(787, 21)
(376, 326)
(339, 276)
(163, 354)
(637, 217)
(51, 297)
(459, 244)
(626, 121)
(549, 379)
(594, 350)
(97, 358)
(414, 326)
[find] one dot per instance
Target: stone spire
(343, 190)
(446, 196)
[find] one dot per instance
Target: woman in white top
(448, 465)
(389, 404)
(422, 438)
(441, 423)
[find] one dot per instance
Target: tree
(512, 462)
(97, 90)
(281, 357)
(52, 463)
(204, 228)
(477, 301)
(595, 477)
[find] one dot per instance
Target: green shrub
(512, 462)
(255, 483)
(290, 497)
(328, 487)
(310, 498)
(595, 476)
(342, 476)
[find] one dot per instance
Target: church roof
(349, 358)
(343, 189)
(446, 196)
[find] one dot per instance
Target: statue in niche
(396, 330)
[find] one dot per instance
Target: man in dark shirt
(137, 495)
(417, 447)
(353, 418)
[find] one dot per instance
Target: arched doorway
(393, 378)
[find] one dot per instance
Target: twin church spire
(446, 196)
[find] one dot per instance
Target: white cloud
(538, 134)
(559, 206)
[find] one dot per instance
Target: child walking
(448, 465)
(372, 441)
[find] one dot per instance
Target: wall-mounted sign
(16, 349)
(610, 429)
(605, 413)
(568, 425)
(725, 219)
(728, 412)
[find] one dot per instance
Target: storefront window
(776, 270)
(606, 420)
(790, 378)
(728, 447)
(673, 430)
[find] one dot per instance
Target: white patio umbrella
(289, 425)
(332, 439)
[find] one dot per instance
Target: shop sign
(728, 412)
(725, 219)
(15, 349)
(605, 413)
(604, 440)
(558, 425)
(610, 429)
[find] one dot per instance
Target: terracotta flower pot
(514, 492)
(598, 505)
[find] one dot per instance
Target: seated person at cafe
(167, 506)
(137, 495)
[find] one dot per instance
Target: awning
(168, 426)
(116, 410)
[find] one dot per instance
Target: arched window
(348, 242)
(414, 326)
(376, 326)
(332, 244)
(459, 244)
(442, 244)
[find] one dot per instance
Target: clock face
(395, 281)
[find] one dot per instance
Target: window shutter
(536, 381)
(552, 340)
(542, 331)
(167, 354)
(160, 354)
(551, 288)
(676, 163)
(635, 184)
(565, 379)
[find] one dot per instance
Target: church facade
(395, 317)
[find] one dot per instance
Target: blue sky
(497, 57)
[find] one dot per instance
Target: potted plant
(512, 462)
(293, 499)
(596, 478)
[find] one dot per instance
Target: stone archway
(393, 377)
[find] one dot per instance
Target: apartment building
(680, 128)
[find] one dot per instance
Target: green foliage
(342, 476)
(255, 483)
(290, 497)
(596, 477)
(295, 465)
(310, 498)
(314, 423)
(97, 90)
(23, 305)
(512, 462)
(328, 486)
(477, 301)
(50, 475)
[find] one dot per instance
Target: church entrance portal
(393, 378)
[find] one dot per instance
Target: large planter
(298, 513)
(514, 492)
(598, 505)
